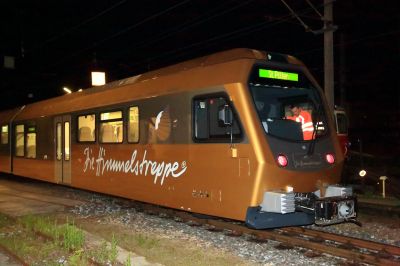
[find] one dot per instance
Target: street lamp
(383, 179)
(67, 90)
(98, 78)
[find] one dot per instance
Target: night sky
(58, 43)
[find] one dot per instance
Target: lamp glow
(67, 90)
(289, 189)
(98, 78)
(362, 173)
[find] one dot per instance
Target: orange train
(207, 135)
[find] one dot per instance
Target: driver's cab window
(302, 114)
(214, 120)
(288, 104)
(290, 118)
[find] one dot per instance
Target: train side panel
(167, 167)
(6, 141)
(33, 154)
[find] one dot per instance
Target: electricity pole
(328, 30)
(328, 54)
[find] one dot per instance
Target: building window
(133, 126)
(31, 142)
(87, 128)
(111, 127)
(20, 140)
(215, 120)
(4, 134)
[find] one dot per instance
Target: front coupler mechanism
(280, 209)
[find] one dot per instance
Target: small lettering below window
(111, 127)
(214, 120)
(87, 128)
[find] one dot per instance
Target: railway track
(319, 242)
(14, 259)
(379, 209)
(352, 249)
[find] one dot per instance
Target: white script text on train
(161, 170)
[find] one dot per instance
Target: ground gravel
(261, 253)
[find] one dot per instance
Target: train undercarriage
(280, 209)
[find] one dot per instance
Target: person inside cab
(303, 117)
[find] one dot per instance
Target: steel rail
(12, 255)
(361, 243)
(383, 254)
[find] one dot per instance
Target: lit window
(87, 128)
(31, 142)
(4, 135)
(214, 122)
(67, 141)
(58, 142)
(20, 140)
(133, 129)
(111, 127)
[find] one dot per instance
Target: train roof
(201, 72)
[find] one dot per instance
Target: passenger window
(111, 127)
(209, 123)
(31, 142)
(4, 134)
(133, 125)
(20, 140)
(67, 141)
(87, 128)
(58, 143)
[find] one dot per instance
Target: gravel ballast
(259, 253)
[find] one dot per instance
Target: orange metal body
(211, 178)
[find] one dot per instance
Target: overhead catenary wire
(306, 27)
(119, 33)
(65, 32)
(193, 23)
(215, 12)
(350, 42)
(315, 9)
(227, 36)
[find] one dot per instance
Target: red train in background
(342, 126)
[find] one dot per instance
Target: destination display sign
(275, 74)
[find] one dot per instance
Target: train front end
(300, 161)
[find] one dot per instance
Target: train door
(62, 130)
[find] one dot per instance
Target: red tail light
(330, 158)
(282, 160)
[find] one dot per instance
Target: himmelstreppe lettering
(158, 170)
